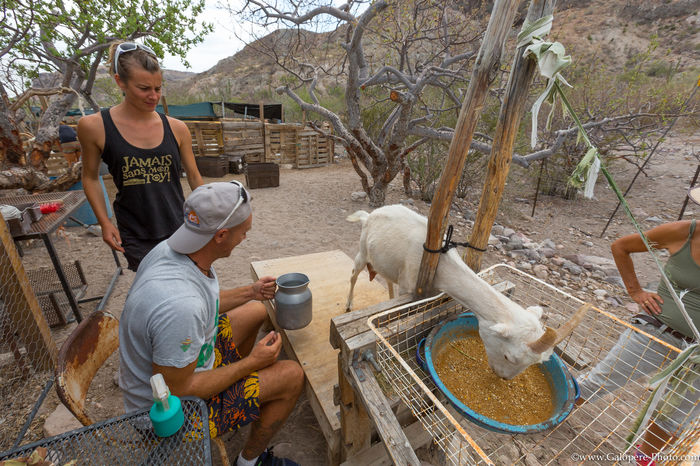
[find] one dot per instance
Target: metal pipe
(29, 420)
(663, 136)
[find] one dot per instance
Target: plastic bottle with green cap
(166, 413)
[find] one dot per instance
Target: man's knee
(292, 374)
(285, 378)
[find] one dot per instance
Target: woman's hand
(110, 235)
(649, 302)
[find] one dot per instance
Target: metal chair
(82, 355)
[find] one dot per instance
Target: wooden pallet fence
(283, 143)
(207, 138)
(244, 139)
(256, 142)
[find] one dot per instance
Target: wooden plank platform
(329, 281)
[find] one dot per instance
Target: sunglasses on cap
(242, 197)
(126, 47)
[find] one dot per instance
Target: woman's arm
(669, 236)
(184, 142)
(91, 135)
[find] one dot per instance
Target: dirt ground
(307, 212)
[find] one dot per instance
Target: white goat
(391, 244)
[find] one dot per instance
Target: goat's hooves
(348, 309)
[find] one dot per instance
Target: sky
(218, 44)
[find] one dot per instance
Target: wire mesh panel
(613, 384)
(27, 349)
(130, 439)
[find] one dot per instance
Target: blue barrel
(84, 212)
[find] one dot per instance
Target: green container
(166, 423)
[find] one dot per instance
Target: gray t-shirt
(169, 318)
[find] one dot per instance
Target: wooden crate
(213, 167)
(262, 175)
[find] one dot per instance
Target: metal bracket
(356, 358)
(367, 355)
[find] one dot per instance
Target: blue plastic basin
(84, 213)
(564, 386)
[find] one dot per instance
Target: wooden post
(485, 68)
(263, 133)
(23, 309)
(165, 104)
(521, 75)
(199, 137)
(356, 427)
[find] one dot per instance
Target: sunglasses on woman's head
(126, 47)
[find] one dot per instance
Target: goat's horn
(552, 337)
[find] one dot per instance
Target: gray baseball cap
(208, 209)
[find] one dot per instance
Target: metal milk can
(293, 301)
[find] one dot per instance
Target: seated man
(178, 323)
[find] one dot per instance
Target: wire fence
(27, 348)
(611, 359)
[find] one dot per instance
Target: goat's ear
(537, 310)
(502, 330)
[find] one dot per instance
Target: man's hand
(264, 288)
(266, 351)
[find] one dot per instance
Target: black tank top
(149, 198)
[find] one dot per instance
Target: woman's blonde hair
(128, 60)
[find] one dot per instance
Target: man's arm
(205, 384)
(261, 290)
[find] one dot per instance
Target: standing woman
(145, 152)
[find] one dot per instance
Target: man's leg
(280, 387)
(246, 321)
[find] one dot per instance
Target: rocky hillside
(611, 32)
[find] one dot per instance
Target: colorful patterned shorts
(239, 404)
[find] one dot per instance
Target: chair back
(81, 356)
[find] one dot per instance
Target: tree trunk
(11, 150)
(377, 194)
(36, 181)
(47, 135)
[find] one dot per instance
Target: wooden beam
(376, 454)
(165, 104)
(199, 138)
(355, 426)
(485, 70)
(22, 307)
(522, 72)
(393, 438)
